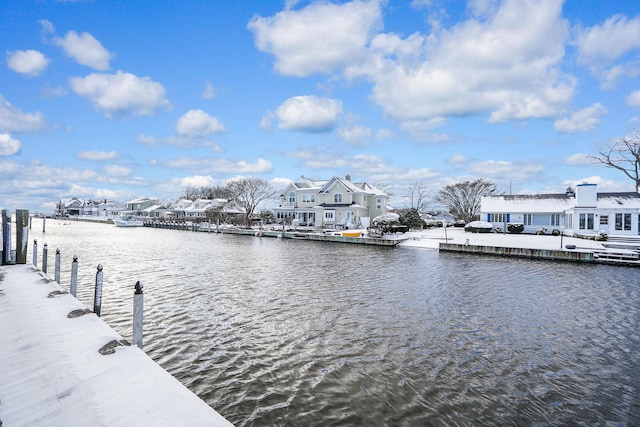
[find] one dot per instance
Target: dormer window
(337, 198)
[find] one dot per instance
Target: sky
(122, 99)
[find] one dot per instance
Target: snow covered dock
(61, 365)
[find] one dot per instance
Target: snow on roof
(527, 203)
(52, 373)
(544, 203)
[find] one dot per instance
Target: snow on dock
(62, 365)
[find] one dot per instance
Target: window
(604, 219)
(498, 217)
(569, 221)
(586, 221)
(337, 198)
(292, 197)
(329, 216)
(528, 219)
(308, 198)
(555, 220)
(379, 203)
(623, 221)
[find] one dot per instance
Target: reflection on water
(287, 332)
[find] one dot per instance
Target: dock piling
(45, 254)
(138, 299)
(6, 236)
(22, 235)
(57, 270)
(74, 276)
(35, 253)
(97, 299)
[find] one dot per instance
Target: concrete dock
(61, 365)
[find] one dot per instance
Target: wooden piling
(6, 236)
(97, 299)
(57, 270)
(35, 253)
(138, 298)
(45, 255)
(73, 289)
(22, 235)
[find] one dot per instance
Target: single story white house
(584, 211)
(336, 201)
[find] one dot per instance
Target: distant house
(584, 211)
(336, 201)
(140, 206)
(76, 207)
(206, 209)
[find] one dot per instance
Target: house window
(378, 203)
(623, 221)
(555, 220)
(292, 197)
(337, 198)
(604, 219)
(569, 221)
(498, 217)
(308, 198)
(329, 216)
(586, 221)
(528, 219)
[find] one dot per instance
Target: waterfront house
(584, 211)
(333, 202)
(142, 206)
(76, 207)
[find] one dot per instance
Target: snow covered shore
(52, 372)
(431, 238)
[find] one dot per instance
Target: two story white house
(584, 211)
(336, 201)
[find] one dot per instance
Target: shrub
(602, 236)
(515, 228)
(541, 231)
(479, 227)
(555, 232)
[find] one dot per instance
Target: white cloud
(320, 38)
(198, 124)
(609, 41)
(383, 134)
(13, 120)
(309, 114)
(85, 49)
(28, 62)
(633, 100)
(197, 181)
(458, 159)
(117, 171)
(603, 48)
(97, 155)
(356, 135)
(581, 121)
(209, 91)
(579, 159)
(219, 165)
(507, 171)
(8, 145)
(121, 94)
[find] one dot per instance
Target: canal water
(287, 332)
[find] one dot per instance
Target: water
(288, 332)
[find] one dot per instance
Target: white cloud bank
(121, 94)
(496, 63)
(27, 62)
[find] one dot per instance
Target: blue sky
(118, 99)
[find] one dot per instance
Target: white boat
(127, 221)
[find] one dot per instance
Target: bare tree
(385, 188)
(624, 155)
(249, 192)
(463, 199)
(418, 196)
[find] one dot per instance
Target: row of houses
(341, 202)
(583, 211)
(149, 208)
